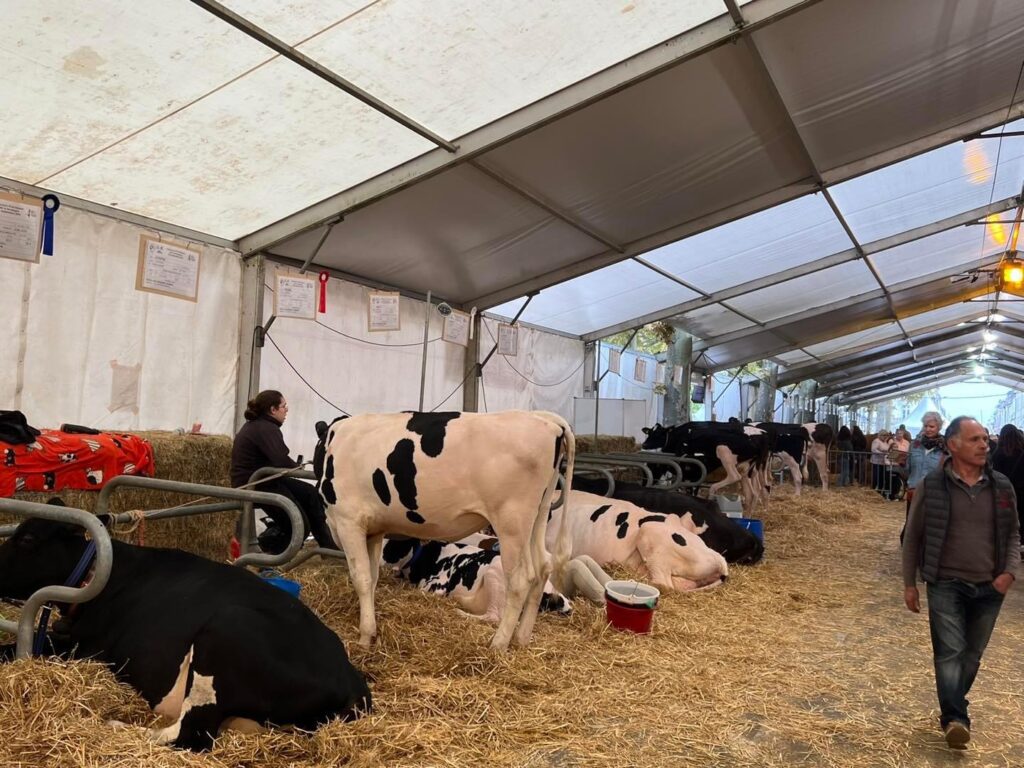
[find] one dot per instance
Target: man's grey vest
(936, 519)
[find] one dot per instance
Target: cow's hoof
(367, 640)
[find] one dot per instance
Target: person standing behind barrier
(963, 534)
(1009, 459)
(898, 453)
(879, 449)
(845, 446)
(860, 447)
(259, 443)
(926, 452)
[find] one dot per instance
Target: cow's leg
(514, 557)
(732, 475)
(794, 470)
(820, 455)
(354, 542)
(587, 578)
(539, 574)
(487, 598)
(200, 718)
(374, 546)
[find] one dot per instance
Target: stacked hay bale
(204, 459)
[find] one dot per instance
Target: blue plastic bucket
(291, 587)
(756, 527)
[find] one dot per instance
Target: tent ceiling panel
(644, 160)
(929, 187)
(809, 291)
(964, 246)
(764, 243)
(712, 320)
(949, 316)
(456, 66)
(796, 357)
(756, 347)
(857, 73)
(81, 76)
(870, 337)
(459, 234)
(230, 181)
(599, 298)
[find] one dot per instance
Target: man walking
(963, 534)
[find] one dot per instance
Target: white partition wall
(81, 345)
(545, 374)
(356, 370)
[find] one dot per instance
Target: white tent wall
(355, 372)
(546, 373)
(86, 334)
(624, 385)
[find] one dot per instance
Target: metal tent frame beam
(818, 265)
(956, 360)
(936, 379)
(605, 83)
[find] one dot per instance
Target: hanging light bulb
(988, 336)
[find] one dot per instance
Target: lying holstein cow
(208, 645)
(661, 548)
(445, 476)
(742, 451)
(725, 536)
(474, 578)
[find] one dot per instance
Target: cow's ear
(646, 430)
(321, 429)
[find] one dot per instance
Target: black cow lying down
(731, 540)
(204, 643)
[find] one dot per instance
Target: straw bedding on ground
(807, 659)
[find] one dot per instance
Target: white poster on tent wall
(21, 227)
(640, 369)
(614, 360)
(168, 268)
(659, 373)
(677, 375)
(456, 328)
(508, 340)
(382, 311)
(294, 296)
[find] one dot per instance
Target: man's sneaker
(957, 735)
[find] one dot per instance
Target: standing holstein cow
(797, 443)
(661, 548)
(205, 644)
(445, 476)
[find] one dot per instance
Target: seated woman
(259, 443)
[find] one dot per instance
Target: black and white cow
(742, 451)
(796, 443)
(727, 537)
(444, 476)
(206, 644)
(473, 576)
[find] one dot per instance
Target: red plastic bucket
(630, 606)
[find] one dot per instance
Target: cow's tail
(563, 549)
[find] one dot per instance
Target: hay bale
(606, 444)
(204, 459)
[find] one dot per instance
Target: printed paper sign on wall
(508, 340)
(456, 328)
(640, 369)
(383, 313)
(294, 296)
(170, 269)
(21, 222)
(614, 360)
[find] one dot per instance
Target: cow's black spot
(380, 485)
(599, 511)
(652, 519)
(415, 517)
(558, 449)
(621, 533)
(621, 518)
(327, 484)
(678, 539)
(403, 470)
(396, 549)
(431, 429)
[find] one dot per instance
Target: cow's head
(676, 558)
(40, 553)
(556, 602)
(656, 438)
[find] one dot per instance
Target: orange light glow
(976, 163)
(1013, 274)
(996, 230)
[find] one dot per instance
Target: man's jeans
(961, 616)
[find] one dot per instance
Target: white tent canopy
(782, 178)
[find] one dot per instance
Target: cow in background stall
(795, 444)
(444, 476)
(741, 450)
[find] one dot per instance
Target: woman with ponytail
(259, 443)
